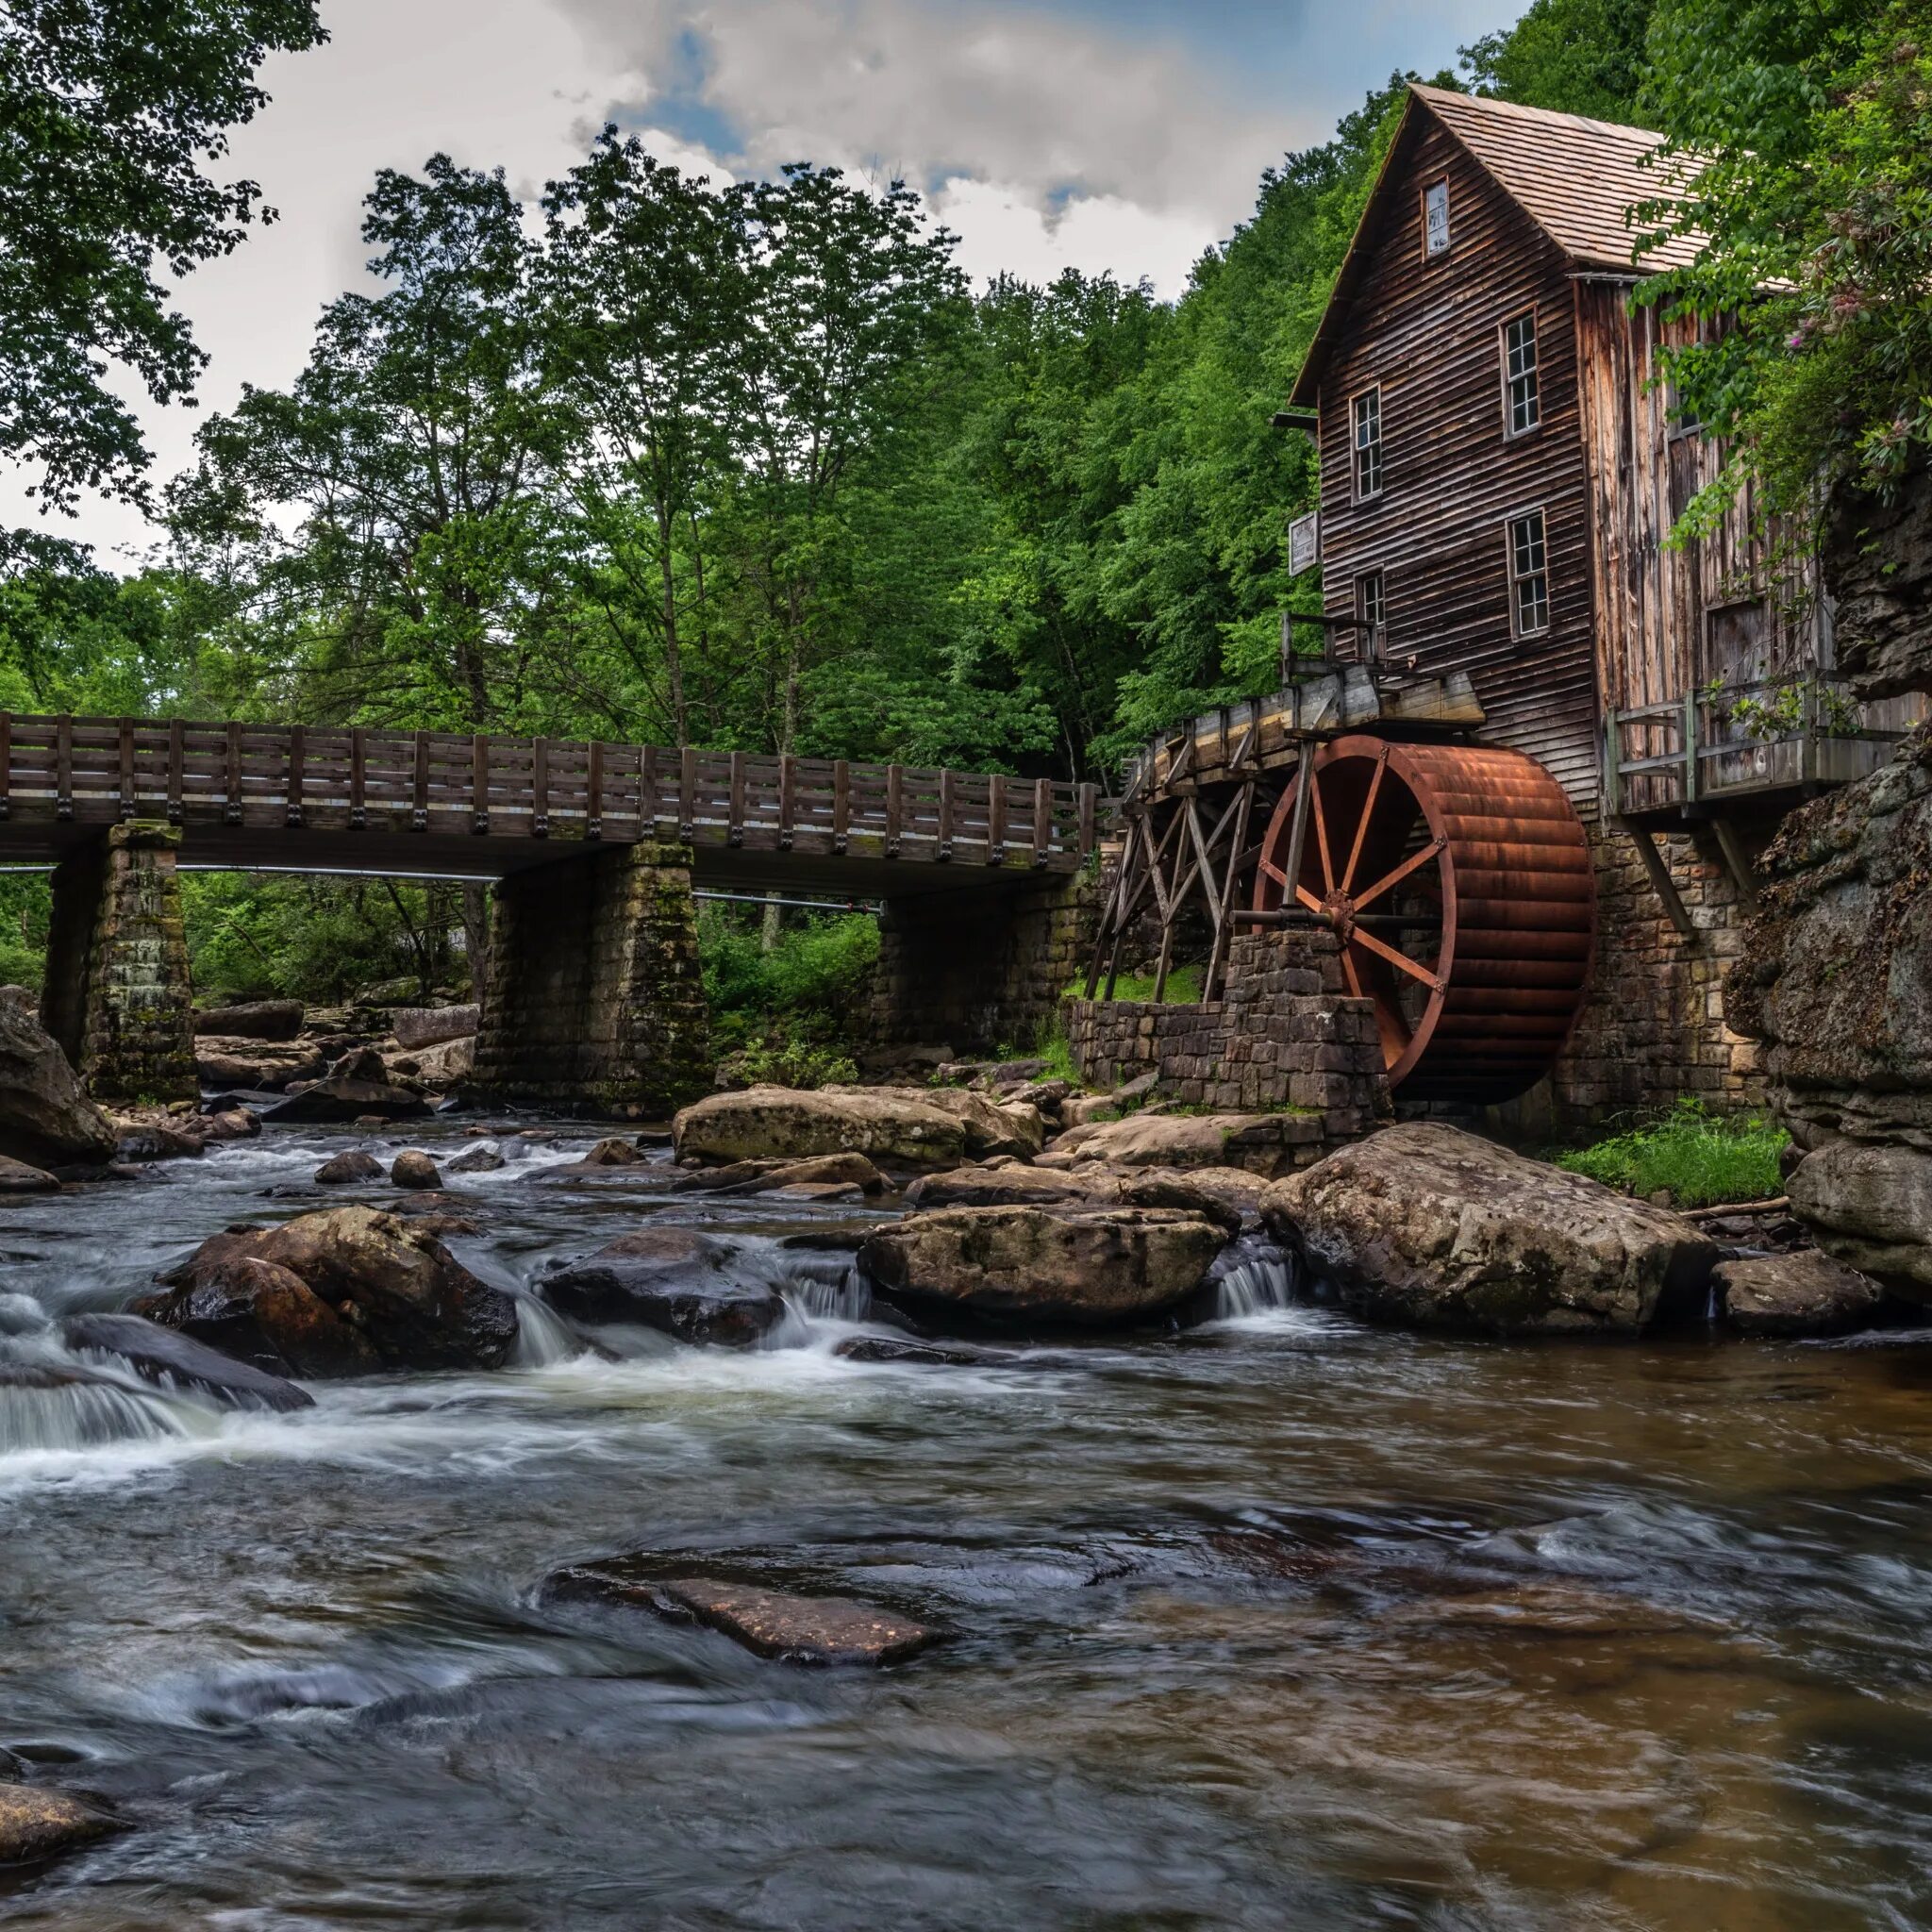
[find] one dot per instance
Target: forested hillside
(748, 464)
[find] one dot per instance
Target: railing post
(945, 846)
(177, 764)
(358, 780)
(995, 820)
(594, 791)
(1043, 820)
(648, 791)
(125, 738)
(786, 777)
(734, 828)
(479, 783)
(1090, 810)
(297, 746)
(539, 788)
(841, 804)
(895, 780)
(231, 783)
(6, 761)
(1690, 731)
(688, 795)
(419, 816)
(1613, 768)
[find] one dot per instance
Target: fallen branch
(1777, 1204)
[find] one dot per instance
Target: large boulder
(415, 1027)
(165, 1354)
(896, 1127)
(256, 1066)
(358, 1087)
(1430, 1228)
(668, 1278)
(1012, 1184)
(45, 1119)
(250, 1020)
(337, 1294)
(1264, 1143)
(1869, 1205)
(1877, 565)
(1806, 1294)
(1088, 1265)
(1836, 979)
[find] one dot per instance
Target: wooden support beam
(1736, 862)
(1659, 874)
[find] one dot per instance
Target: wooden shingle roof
(1575, 178)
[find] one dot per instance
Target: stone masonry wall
(1652, 1026)
(117, 997)
(984, 969)
(595, 1002)
(1284, 1036)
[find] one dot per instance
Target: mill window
(1369, 614)
(1522, 393)
(1529, 576)
(1436, 218)
(1366, 412)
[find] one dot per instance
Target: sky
(1120, 135)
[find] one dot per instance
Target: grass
(1183, 987)
(1703, 1158)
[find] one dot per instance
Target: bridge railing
(101, 770)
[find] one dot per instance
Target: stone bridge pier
(117, 996)
(594, 999)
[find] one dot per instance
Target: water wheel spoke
(1351, 973)
(1361, 830)
(1273, 871)
(1400, 960)
(1322, 851)
(1307, 899)
(1390, 880)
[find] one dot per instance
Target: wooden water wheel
(1458, 881)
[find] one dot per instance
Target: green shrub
(1701, 1157)
(803, 995)
(1183, 988)
(793, 1063)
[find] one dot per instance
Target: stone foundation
(595, 1001)
(1652, 1026)
(117, 997)
(1284, 1036)
(981, 970)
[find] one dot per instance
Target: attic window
(1436, 218)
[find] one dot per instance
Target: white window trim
(1509, 523)
(1356, 494)
(1510, 433)
(1448, 247)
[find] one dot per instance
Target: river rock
(337, 1294)
(250, 1020)
(45, 1119)
(1807, 1293)
(158, 1353)
(1012, 1184)
(1064, 1265)
(257, 1066)
(1264, 1143)
(352, 1164)
(898, 1349)
(770, 1623)
(485, 1158)
(162, 1140)
(615, 1151)
(894, 1125)
(444, 1067)
(1869, 1205)
(229, 1123)
(1430, 1228)
(17, 1178)
(39, 1822)
(416, 1027)
(414, 1170)
(358, 1087)
(765, 1176)
(668, 1278)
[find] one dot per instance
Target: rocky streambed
(756, 1552)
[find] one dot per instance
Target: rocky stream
(1251, 1614)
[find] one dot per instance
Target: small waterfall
(1252, 1277)
(822, 1287)
(543, 1337)
(44, 1407)
(21, 1314)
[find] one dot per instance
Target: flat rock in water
(352, 1164)
(614, 1151)
(1014, 1184)
(1807, 1293)
(1264, 1143)
(250, 1020)
(1081, 1265)
(485, 1158)
(666, 1279)
(37, 1823)
(1429, 1227)
(17, 1178)
(769, 1623)
(158, 1353)
(901, 1128)
(891, 1348)
(766, 1176)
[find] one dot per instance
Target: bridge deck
(353, 799)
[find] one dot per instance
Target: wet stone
(414, 1170)
(17, 1178)
(156, 1353)
(769, 1623)
(39, 1824)
(485, 1158)
(352, 1164)
(891, 1348)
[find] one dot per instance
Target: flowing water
(1277, 1622)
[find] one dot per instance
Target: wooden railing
(96, 771)
(1790, 734)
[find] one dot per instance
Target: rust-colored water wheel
(1458, 881)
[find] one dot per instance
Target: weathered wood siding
(1429, 333)
(1668, 620)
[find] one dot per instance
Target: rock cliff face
(1837, 974)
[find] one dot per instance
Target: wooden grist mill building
(1546, 743)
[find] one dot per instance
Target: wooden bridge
(435, 802)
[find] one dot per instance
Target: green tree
(1576, 57)
(108, 112)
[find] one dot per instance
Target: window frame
(1448, 246)
(1516, 578)
(1357, 494)
(1534, 372)
(1371, 638)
